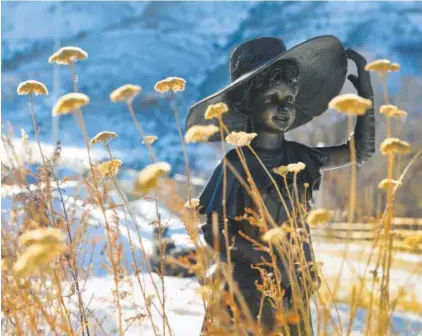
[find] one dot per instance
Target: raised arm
(364, 132)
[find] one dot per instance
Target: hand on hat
(362, 82)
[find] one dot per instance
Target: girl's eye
(289, 99)
(268, 99)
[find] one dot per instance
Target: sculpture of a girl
(274, 90)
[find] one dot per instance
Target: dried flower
(110, 168)
(200, 133)
(193, 203)
(350, 103)
(32, 87)
(392, 111)
(240, 139)
(34, 257)
(382, 66)
(70, 102)
(388, 182)
(68, 55)
(394, 145)
(296, 167)
(148, 177)
(170, 83)
(42, 245)
(319, 216)
(105, 137)
(149, 139)
(45, 236)
(275, 236)
(413, 241)
(216, 111)
(125, 93)
(306, 185)
(282, 170)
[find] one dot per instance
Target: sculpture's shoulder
(212, 194)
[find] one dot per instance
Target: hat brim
(322, 64)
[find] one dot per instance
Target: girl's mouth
(282, 118)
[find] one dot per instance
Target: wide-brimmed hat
(322, 66)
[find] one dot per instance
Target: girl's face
(273, 110)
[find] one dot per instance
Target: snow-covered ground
(185, 310)
(183, 304)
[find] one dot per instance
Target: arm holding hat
(364, 132)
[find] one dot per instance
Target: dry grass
(42, 278)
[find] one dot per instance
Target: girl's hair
(286, 72)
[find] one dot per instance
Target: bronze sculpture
(274, 90)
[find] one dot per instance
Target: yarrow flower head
(199, 133)
(149, 139)
(382, 66)
(42, 246)
(32, 87)
(282, 170)
(126, 92)
(109, 168)
(385, 183)
(413, 241)
(105, 137)
(240, 139)
(41, 236)
(216, 111)
(192, 204)
(319, 216)
(394, 145)
(68, 55)
(350, 104)
(148, 177)
(275, 236)
(70, 102)
(392, 111)
(170, 84)
(296, 167)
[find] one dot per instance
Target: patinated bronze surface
(269, 102)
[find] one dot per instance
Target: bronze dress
(237, 199)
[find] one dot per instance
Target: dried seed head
(282, 170)
(216, 111)
(192, 204)
(35, 257)
(109, 168)
(382, 66)
(413, 241)
(394, 145)
(200, 133)
(126, 93)
(240, 139)
(392, 111)
(148, 177)
(170, 83)
(32, 87)
(296, 167)
(47, 236)
(319, 216)
(69, 103)
(275, 236)
(67, 55)
(350, 104)
(388, 182)
(105, 137)
(149, 139)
